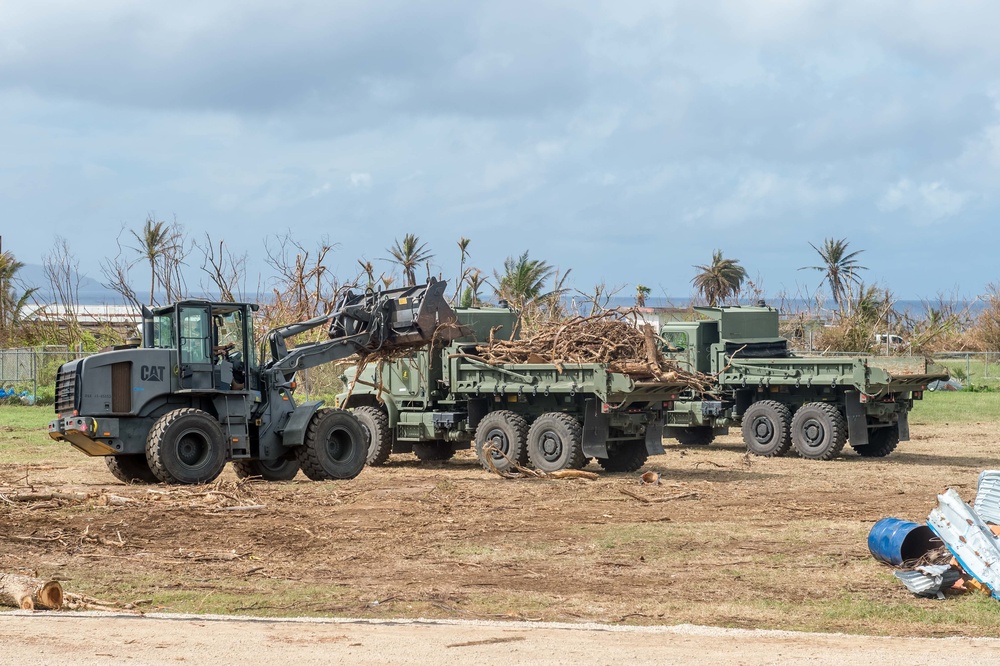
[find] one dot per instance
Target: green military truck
(550, 416)
(781, 400)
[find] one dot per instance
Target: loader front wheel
(186, 446)
(283, 469)
(335, 446)
(131, 468)
(767, 428)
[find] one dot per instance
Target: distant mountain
(92, 292)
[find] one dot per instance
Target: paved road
(92, 639)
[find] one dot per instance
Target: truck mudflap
(857, 420)
(654, 438)
(596, 428)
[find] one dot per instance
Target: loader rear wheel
(505, 433)
(881, 442)
(375, 423)
(819, 431)
(335, 446)
(625, 457)
(186, 446)
(555, 442)
(431, 451)
(693, 436)
(269, 470)
(767, 428)
(131, 468)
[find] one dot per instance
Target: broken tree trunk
(29, 593)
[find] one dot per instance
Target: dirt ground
(725, 540)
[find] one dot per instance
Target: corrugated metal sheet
(968, 538)
(930, 580)
(987, 503)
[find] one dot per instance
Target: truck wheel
(131, 468)
(881, 442)
(433, 450)
(692, 436)
(375, 424)
(767, 428)
(819, 431)
(507, 433)
(269, 470)
(186, 446)
(555, 442)
(625, 457)
(335, 446)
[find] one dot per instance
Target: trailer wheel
(507, 433)
(819, 431)
(555, 442)
(335, 446)
(375, 424)
(693, 436)
(186, 446)
(269, 470)
(625, 457)
(430, 451)
(131, 468)
(881, 442)
(767, 428)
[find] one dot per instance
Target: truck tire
(269, 470)
(819, 431)
(555, 441)
(431, 451)
(131, 468)
(881, 442)
(507, 432)
(375, 423)
(186, 446)
(693, 436)
(335, 446)
(767, 428)
(625, 457)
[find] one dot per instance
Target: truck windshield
(676, 341)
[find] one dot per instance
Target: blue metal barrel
(895, 541)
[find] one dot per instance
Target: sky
(624, 141)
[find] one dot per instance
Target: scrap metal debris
(968, 538)
(928, 581)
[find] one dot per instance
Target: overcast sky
(623, 140)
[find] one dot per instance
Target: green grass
(956, 407)
(24, 435)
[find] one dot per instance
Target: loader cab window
(195, 342)
(163, 330)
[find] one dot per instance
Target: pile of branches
(611, 337)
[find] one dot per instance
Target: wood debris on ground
(29, 593)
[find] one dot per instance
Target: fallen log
(30, 593)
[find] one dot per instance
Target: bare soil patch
(725, 540)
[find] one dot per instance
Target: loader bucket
(399, 318)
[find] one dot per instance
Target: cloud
(923, 202)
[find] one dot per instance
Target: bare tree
(62, 269)
(117, 274)
(226, 270)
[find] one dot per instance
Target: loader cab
(213, 341)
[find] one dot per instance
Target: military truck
(553, 417)
(780, 400)
(194, 395)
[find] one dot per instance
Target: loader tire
(131, 468)
(555, 442)
(186, 446)
(335, 446)
(819, 431)
(431, 451)
(767, 428)
(283, 469)
(693, 436)
(375, 423)
(625, 457)
(881, 442)
(507, 433)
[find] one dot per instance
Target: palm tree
(153, 244)
(721, 279)
(470, 297)
(463, 247)
(409, 254)
(522, 280)
(11, 301)
(641, 292)
(840, 268)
